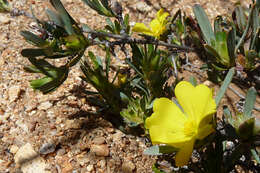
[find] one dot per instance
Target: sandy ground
(55, 130)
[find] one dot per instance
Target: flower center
(190, 128)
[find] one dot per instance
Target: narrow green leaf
(159, 150)
(86, 28)
(250, 101)
(231, 44)
(240, 18)
(32, 38)
(53, 16)
(225, 85)
(153, 150)
(35, 84)
(66, 18)
(204, 23)
(255, 155)
(193, 80)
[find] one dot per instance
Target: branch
(127, 39)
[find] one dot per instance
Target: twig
(174, 66)
(127, 39)
(241, 96)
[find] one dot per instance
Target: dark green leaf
(193, 81)
(34, 39)
(250, 101)
(204, 24)
(225, 85)
(66, 18)
(53, 16)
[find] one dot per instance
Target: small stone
(14, 149)
(118, 136)
(90, 168)
(4, 19)
(61, 152)
(45, 105)
(128, 167)
(47, 148)
(99, 140)
(100, 150)
(14, 93)
(29, 160)
(83, 20)
(143, 7)
(72, 124)
(208, 83)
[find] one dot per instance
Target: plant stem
(127, 39)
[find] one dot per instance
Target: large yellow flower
(157, 25)
(180, 128)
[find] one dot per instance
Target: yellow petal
(166, 123)
(140, 27)
(161, 16)
(166, 114)
(204, 131)
(156, 27)
(170, 136)
(183, 156)
(197, 102)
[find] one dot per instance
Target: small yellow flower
(157, 25)
(169, 125)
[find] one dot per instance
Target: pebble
(14, 149)
(100, 150)
(83, 20)
(4, 19)
(128, 167)
(45, 105)
(90, 168)
(72, 124)
(47, 148)
(29, 160)
(208, 83)
(14, 92)
(99, 140)
(143, 7)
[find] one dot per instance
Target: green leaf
(231, 44)
(157, 150)
(204, 24)
(240, 18)
(156, 170)
(86, 28)
(255, 155)
(225, 85)
(4, 6)
(53, 16)
(66, 18)
(34, 39)
(250, 101)
(35, 84)
(193, 80)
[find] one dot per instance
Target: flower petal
(166, 114)
(156, 27)
(204, 131)
(183, 156)
(161, 16)
(166, 123)
(197, 102)
(140, 27)
(170, 136)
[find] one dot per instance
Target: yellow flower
(157, 25)
(172, 126)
